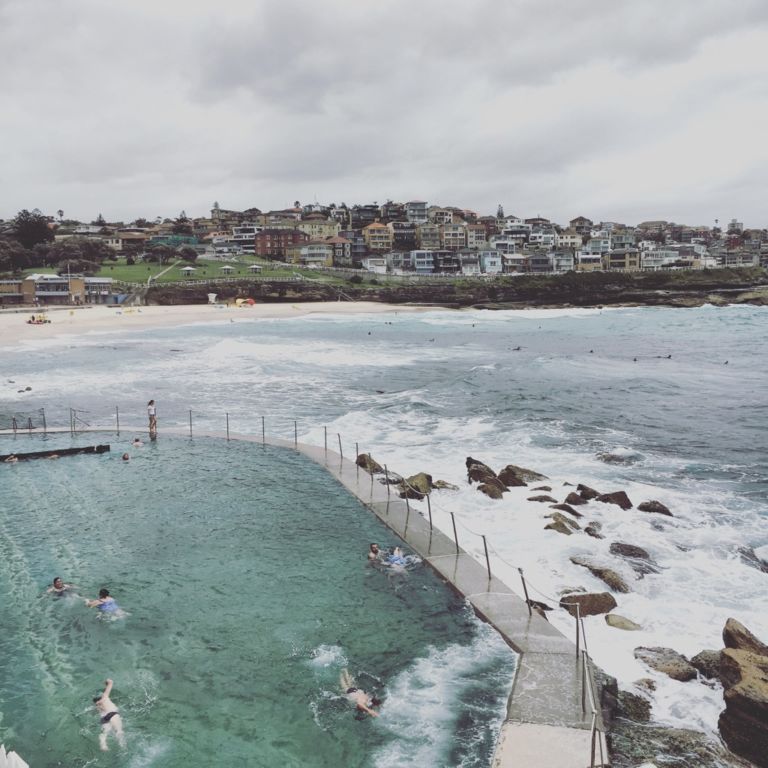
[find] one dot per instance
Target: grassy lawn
(204, 269)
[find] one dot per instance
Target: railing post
(525, 592)
(583, 684)
(357, 466)
(386, 477)
(45, 426)
(371, 484)
(577, 631)
(190, 422)
(325, 439)
(13, 423)
(455, 535)
(487, 559)
(117, 419)
(227, 415)
(429, 510)
(29, 424)
(263, 433)
(407, 503)
(295, 435)
(341, 452)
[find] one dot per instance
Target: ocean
(674, 399)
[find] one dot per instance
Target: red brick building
(272, 243)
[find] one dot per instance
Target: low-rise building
(271, 243)
(416, 211)
(625, 259)
(378, 237)
(317, 227)
(428, 237)
(491, 262)
(588, 262)
(47, 289)
(568, 238)
(342, 251)
(316, 253)
(453, 237)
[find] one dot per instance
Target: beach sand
(79, 320)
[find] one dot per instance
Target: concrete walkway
(549, 718)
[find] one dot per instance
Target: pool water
(244, 576)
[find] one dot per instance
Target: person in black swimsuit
(110, 717)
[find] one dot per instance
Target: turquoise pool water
(244, 577)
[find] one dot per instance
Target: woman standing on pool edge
(152, 413)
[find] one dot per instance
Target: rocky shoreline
(719, 287)
(740, 668)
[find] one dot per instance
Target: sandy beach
(78, 320)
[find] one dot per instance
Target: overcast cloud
(615, 110)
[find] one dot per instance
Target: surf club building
(41, 290)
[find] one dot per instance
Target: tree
(130, 260)
(13, 256)
(60, 214)
(187, 253)
(500, 212)
(31, 228)
(100, 221)
(162, 254)
(182, 225)
(75, 249)
(78, 266)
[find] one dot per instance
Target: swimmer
(126, 457)
(59, 588)
(105, 603)
(396, 557)
(357, 696)
(137, 442)
(110, 718)
(374, 553)
(12, 459)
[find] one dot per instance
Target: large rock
(587, 492)
(749, 557)
(708, 664)
(543, 498)
(654, 506)
(608, 575)
(637, 558)
(667, 661)
(738, 637)
(621, 622)
(369, 464)
(519, 475)
(593, 530)
(444, 485)
(634, 707)
(479, 472)
(744, 723)
(421, 482)
(562, 524)
(567, 508)
(574, 499)
(619, 498)
(546, 488)
(616, 458)
(590, 604)
(492, 490)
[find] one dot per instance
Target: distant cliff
(682, 289)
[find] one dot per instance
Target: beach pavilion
(187, 271)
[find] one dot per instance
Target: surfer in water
(363, 702)
(109, 717)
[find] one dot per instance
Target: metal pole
(117, 419)
(386, 476)
(13, 423)
(227, 415)
(577, 631)
(295, 435)
(341, 453)
(487, 560)
(592, 751)
(525, 591)
(325, 438)
(429, 509)
(45, 428)
(407, 503)
(455, 535)
(357, 466)
(583, 684)
(263, 438)
(29, 424)
(190, 423)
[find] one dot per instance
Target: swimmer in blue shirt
(104, 602)
(396, 557)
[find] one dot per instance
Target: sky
(616, 110)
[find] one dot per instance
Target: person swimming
(375, 553)
(59, 588)
(363, 702)
(105, 603)
(109, 717)
(396, 557)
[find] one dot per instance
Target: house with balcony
(316, 253)
(423, 261)
(271, 243)
(403, 235)
(539, 262)
(453, 237)
(447, 262)
(562, 261)
(416, 211)
(428, 237)
(581, 225)
(476, 236)
(342, 251)
(375, 264)
(378, 237)
(318, 227)
(491, 262)
(568, 239)
(440, 216)
(588, 262)
(470, 263)
(514, 263)
(624, 259)
(128, 240)
(599, 244)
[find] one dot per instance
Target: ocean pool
(243, 572)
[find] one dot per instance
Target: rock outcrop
(543, 498)
(667, 661)
(574, 499)
(492, 490)
(708, 664)
(561, 524)
(479, 472)
(608, 575)
(636, 557)
(619, 498)
(738, 637)
(586, 492)
(749, 557)
(593, 530)
(519, 476)
(621, 622)
(369, 464)
(567, 508)
(590, 603)
(654, 506)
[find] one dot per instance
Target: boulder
(391, 478)
(559, 526)
(479, 472)
(369, 464)
(443, 485)
(561, 519)
(749, 557)
(708, 664)
(646, 684)
(608, 575)
(521, 475)
(543, 488)
(421, 482)
(621, 622)
(573, 498)
(634, 707)
(667, 661)
(619, 498)
(567, 508)
(593, 530)
(493, 491)
(738, 637)
(616, 458)
(542, 498)
(637, 558)
(744, 722)
(406, 491)
(587, 492)
(590, 604)
(654, 506)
